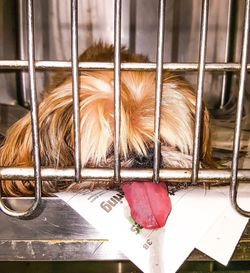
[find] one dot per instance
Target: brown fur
(97, 119)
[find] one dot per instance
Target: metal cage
(195, 175)
(24, 240)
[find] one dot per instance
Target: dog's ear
(16, 151)
(55, 124)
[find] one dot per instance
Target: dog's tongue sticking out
(149, 203)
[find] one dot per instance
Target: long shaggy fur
(97, 123)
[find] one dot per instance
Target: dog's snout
(144, 161)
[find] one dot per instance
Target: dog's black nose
(147, 161)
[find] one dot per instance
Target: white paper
(199, 219)
(109, 212)
(220, 240)
(188, 222)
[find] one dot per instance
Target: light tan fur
(97, 125)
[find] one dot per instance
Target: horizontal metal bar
(176, 175)
(52, 65)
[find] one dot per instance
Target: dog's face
(137, 118)
(97, 127)
(97, 124)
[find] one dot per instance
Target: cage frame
(195, 175)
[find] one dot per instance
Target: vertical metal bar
(201, 75)
(117, 96)
(33, 98)
(158, 89)
(227, 53)
(34, 121)
(23, 97)
(75, 86)
(237, 131)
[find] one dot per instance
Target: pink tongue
(149, 203)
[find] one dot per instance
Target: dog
(96, 90)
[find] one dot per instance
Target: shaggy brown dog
(97, 123)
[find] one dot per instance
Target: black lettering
(112, 202)
(149, 242)
(146, 246)
(118, 197)
(136, 228)
(106, 207)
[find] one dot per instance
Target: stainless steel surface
(228, 46)
(96, 23)
(117, 92)
(176, 175)
(59, 234)
(41, 44)
(75, 88)
(158, 89)
(53, 42)
(182, 37)
(199, 99)
(237, 132)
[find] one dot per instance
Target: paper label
(197, 217)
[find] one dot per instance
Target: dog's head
(137, 131)
(137, 120)
(97, 126)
